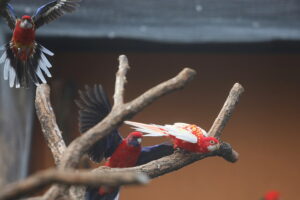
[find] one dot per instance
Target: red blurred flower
(272, 195)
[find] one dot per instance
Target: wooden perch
(47, 118)
(177, 160)
(69, 157)
(71, 177)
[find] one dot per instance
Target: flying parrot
(189, 137)
(24, 59)
(94, 106)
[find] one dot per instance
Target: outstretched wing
(94, 106)
(154, 130)
(155, 152)
(53, 10)
(7, 12)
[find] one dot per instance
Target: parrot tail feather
(152, 130)
(19, 71)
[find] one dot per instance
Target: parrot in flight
(24, 59)
(119, 152)
(189, 137)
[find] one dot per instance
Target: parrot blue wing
(155, 152)
(93, 194)
(94, 106)
(8, 13)
(53, 10)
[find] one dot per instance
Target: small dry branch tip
(143, 178)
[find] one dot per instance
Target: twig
(86, 178)
(121, 80)
(47, 119)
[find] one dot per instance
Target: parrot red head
(26, 22)
(134, 139)
(209, 144)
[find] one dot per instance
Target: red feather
(24, 40)
(272, 195)
(125, 155)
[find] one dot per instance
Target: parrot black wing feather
(8, 13)
(155, 152)
(94, 106)
(93, 194)
(53, 10)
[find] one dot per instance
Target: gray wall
(16, 118)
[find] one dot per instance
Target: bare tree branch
(226, 111)
(121, 80)
(177, 160)
(47, 119)
(70, 177)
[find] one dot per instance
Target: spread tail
(19, 72)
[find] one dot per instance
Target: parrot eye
(212, 142)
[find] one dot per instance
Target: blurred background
(253, 42)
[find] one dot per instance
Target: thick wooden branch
(71, 177)
(171, 163)
(47, 119)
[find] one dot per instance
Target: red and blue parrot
(189, 137)
(24, 59)
(118, 152)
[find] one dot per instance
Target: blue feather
(155, 152)
(40, 10)
(11, 9)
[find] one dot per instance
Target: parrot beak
(139, 140)
(26, 24)
(213, 147)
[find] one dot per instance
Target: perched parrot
(189, 137)
(93, 107)
(23, 57)
(272, 195)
